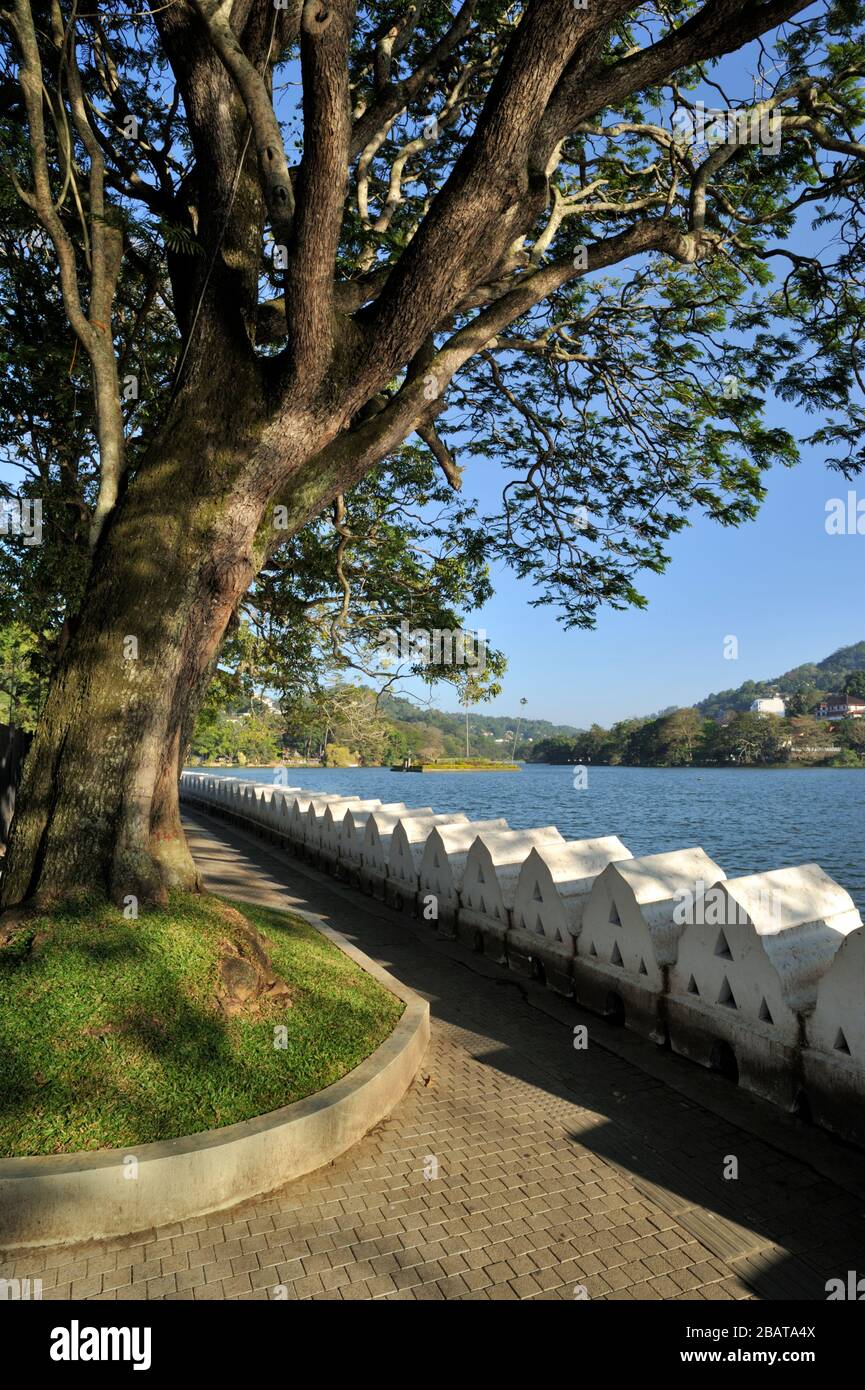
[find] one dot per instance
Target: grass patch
(110, 1034)
(461, 765)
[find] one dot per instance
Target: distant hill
(823, 677)
(485, 728)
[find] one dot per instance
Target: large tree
(504, 219)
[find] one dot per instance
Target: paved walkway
(516, 1167)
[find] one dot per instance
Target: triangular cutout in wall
(592, 951)
(537, 895)
(643, 970)
(692, 986)
(481, 878)
(841, 1043)
(765, 1014)
(722, 947)
(616, 957)
(615, 919)
(726, 997)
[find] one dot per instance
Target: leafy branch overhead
(499, 231)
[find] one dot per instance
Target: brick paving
(516, 1167)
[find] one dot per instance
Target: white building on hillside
(771, 705)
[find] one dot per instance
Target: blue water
(746, 819)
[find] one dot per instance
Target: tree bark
(98, 806)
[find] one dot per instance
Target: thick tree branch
(421, 397)
(321, 186)
(488, 199)
(374, 119)
(442, 454)
(272, 163)
(720, 27)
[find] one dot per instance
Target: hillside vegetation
(821, 677)
(345, 725)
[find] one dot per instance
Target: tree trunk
(98, 806)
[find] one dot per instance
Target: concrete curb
(65, 1198)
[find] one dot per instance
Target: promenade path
(558, 1173)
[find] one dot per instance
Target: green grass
(110, 1035)
(462, 765)
(471, 767)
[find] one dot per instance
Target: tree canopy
(515, 220)
(295, 263)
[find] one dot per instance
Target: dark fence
(13, 746)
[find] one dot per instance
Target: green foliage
(20, 686)
(247, 737)
(390, 729)
(336, 755)
(684, 738)
(847, 758)
(851, 733)
(802, 701)
(403, 549)
(179, 239)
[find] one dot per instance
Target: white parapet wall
(298, 819)
(407, 843)
(631, 925)
(552, 890)
(761, 977)
(489, 885)
(375, 849)
(330, 823)
(269, 797)
(350, 840)
(748, 971)
(265, 805)
(441, 867)
(223, 792)
(276, 809)
(834, 1058)
(276, 814)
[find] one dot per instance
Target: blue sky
(787, 590)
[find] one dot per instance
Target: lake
(748, 819)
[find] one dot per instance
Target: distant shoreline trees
(684, 738)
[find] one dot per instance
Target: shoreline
(712, 767)
(658, 767)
